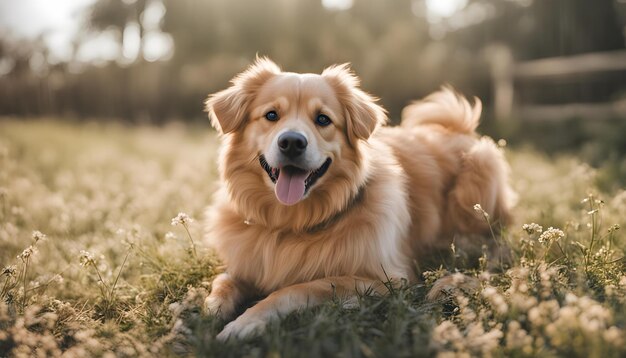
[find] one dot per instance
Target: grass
(113, 275)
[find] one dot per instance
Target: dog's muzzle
(293, 182)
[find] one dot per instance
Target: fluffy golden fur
(390, 195)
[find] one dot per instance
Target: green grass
(137, 288)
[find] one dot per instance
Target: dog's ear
(363, 114)
(228, 109)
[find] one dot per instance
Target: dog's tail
(446, 108)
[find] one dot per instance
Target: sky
(60, 20)
(57, 20)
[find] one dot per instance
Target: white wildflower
(466, 314)
(551, 235)
(532, 228)
(570, 298)
(613, 228)
(170, 236)
(547, 274)
(522, 303)
(38, 235)
(9, 270)
(544, 313)
(593, 317)
(181, 219)
(609, 290)
(446, 332)
(484, 342)
(496, 300)
(517, 337)
(26, 254)
(86, 258)
(479, 209)
(614, 336)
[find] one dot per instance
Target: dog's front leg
(226, 294)
(292, 298)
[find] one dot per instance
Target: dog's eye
(323, 120)
(271, 116)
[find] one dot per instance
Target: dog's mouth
(292, 182)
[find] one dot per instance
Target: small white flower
(181, 219)
(489, 291)
(28, 252)
(532, 228)
(496, 300)
(551, 235)
(446, 332)
(86, 258)
(170, 236)
(614, 336)
(9, 270)
(571, 298)
(479, 209)
(38, 235)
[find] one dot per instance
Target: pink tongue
(290, 187)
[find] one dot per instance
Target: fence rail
(505, 71)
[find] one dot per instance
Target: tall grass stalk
(193, 244)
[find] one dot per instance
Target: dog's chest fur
(368, 241)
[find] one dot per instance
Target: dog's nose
(292, 144)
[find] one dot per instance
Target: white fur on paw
(212, 305)
(350, 303)
(217, 307)
(241, 328)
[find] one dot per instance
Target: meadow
(96, 260)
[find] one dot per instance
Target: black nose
(292, 144)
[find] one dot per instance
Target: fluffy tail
(446, 108)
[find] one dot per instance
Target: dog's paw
(216, 306)
(242, 327)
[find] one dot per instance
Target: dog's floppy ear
(363, 114)
(228, 109)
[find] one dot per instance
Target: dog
(319, 198)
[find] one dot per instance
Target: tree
(119, 15)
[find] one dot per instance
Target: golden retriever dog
(320, 199)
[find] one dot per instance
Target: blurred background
(551, 73)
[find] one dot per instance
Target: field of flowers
(97, 261)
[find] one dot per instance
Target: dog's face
(296, 122)
(298, 127)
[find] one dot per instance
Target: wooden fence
(506, 72)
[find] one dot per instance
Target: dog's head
(300, 132)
